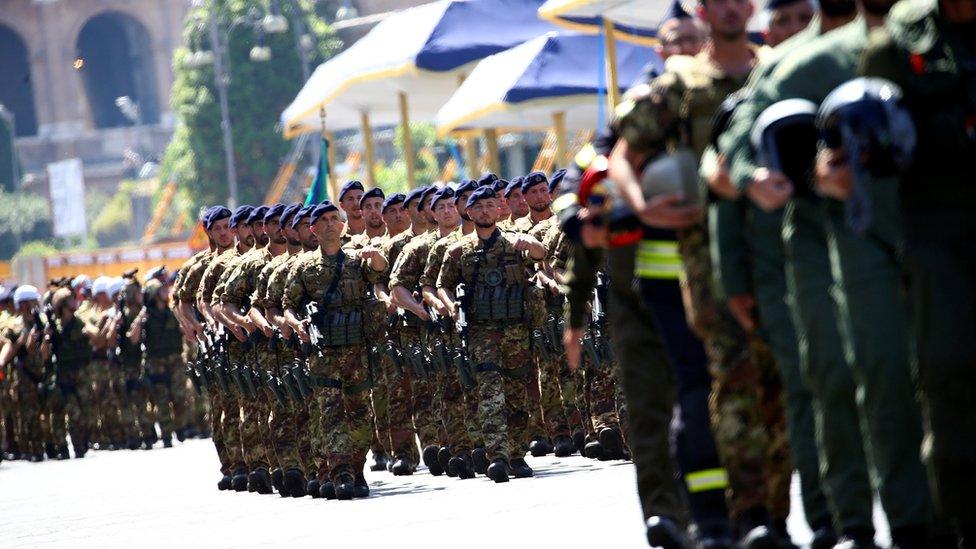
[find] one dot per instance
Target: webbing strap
(658, 259)
(707, 479)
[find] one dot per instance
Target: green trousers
(874, 319)
(824, 366)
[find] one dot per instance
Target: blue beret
(677, 11)
(393, 200)
(557, 177)
(425, 195)
(273, 211)
(443, 193)
(532, 180)
(322, 209)
(240, 215)
(257, 214)
(375, 192)
(350, 185)
(499, 185)
(481, 193)
(288, 212)
(466, 186)
(214, 215)
(776, 4)
(487, 178)
(512, 185)
(301, 214)
(413, 195)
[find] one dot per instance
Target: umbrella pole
(610, 46)
(367, 132)
(491, 141)
(559, 127)
(407, 142)
(471, 156)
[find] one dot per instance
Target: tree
(257, 94)
(20, 214)
(392, 178)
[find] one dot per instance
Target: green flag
(319, 190)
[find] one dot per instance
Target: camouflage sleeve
(236, 287)
(580, 281)
(259, 295)
(191, 282)
(218, 289)
(408, 269)
(293, 290)
(390, 250)
(371, 275)
(277, 283)
(558, 248)
(648, 115)
(210, 278)
(433, 266)
(450, 271)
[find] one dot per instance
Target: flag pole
(367, 130)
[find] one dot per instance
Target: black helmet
(785, 139)
(866, 118)
(723, 116)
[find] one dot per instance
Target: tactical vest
(73, 348)
(163, 337)
(341, 308)
(498, 283)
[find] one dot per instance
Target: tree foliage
(392, 178)
(257, 93)
(21, 213)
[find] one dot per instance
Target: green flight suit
(747, 249)
(870, 309)
(936, 68)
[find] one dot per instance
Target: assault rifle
(461, 359)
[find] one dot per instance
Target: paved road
(168, 498)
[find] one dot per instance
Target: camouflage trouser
(341, 415)
(168, 392)
(135, 405)
(217, 435)
(392, 399)
(748, 424)
(256, 437)
(426, 404)
(107, 426)
(28, 408)
(500, 355)
(457, 419)
(74, 402)
(602, 394)
(197, 406)
(283, 425)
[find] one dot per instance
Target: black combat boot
(81, 450)
(292, 484)
(167, 442)
(313, 488)
(224, 483)
(327, 490)
(37, 458)
(539, 447)
(760, 537)
(498, 470)
(563, 446)
(277, 479)
(665, 533)
(856, 538)
(381, 462)
(260, 481)
(479, 458)
(63, 452)
(594, 450)
(361, 487)
(181, 435)
(50, 450)
(430, 460)
(443, 459)
(239, 481)
(461, 466)
(133, 443)
(402, 466)
(579, 440)
(520, 469)
(345, 485)
(612, 442)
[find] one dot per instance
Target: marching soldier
(136, 400)
(22, 355)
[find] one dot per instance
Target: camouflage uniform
(340, 377)
(105, 406)
(73, 352)
(256, 436)
(135, 408)
(164, 369)
(498, 349)
(26, 374)
(197, 405)
(744, 438)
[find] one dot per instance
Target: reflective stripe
(708, 479)
(564, 201)
(585, 156)
(658, 259)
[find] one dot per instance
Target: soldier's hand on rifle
(667, 211)
(418, 309)
(301, 330)
(719, 181)
(450, 308)
(742, 307)
(769, 189)
(833, 174)
(374, 257)
(239, 332)
(572, 342)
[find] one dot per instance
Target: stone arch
(114, 57)
(16, 86)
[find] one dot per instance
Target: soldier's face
(291, 235)
(726, 18)
(397, 219)
(371, 212)
(274, 231)
(445, 214)
(427, 213)
(484, 212)
(538, 198)
(260, 233)
(503, 209)
(459, 205)
(350, 204)
(786, 21)
(305, 234)
(328, 227)
(222, 234)
(26, 307)
(516, 203)
(245, 235)
(680, 37)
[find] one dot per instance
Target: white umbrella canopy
(525, 87)
(419, 52)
